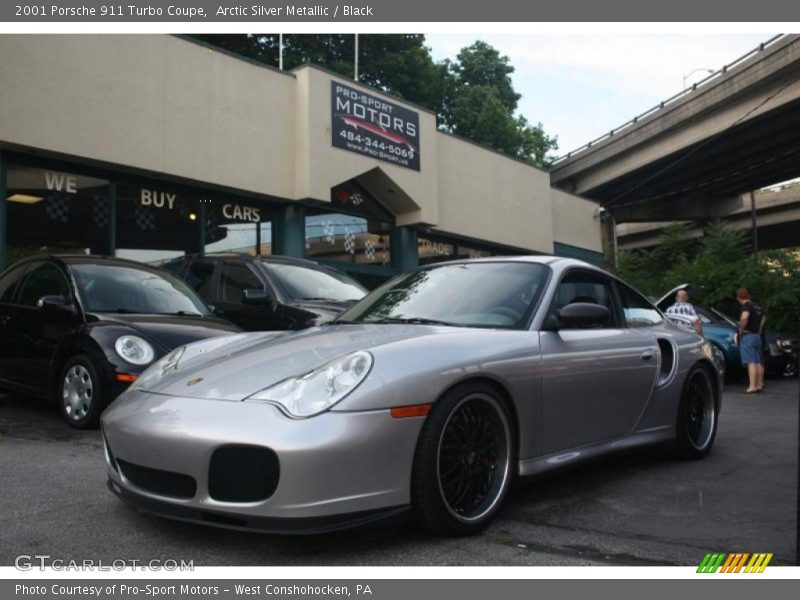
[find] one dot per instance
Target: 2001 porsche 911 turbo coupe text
(431, 394)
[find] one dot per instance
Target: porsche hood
(234, 367)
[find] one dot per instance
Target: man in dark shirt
(751, 325)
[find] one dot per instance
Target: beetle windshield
(122, 289)
(305, 283)
(480, 294)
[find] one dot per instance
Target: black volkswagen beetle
(81, 328)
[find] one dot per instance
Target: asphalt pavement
(642, 508)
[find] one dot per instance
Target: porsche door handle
(647, 355)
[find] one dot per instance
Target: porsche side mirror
(253, 296)
(583, 314)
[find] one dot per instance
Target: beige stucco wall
(575, 221)
(487, 196)
(150, 102)
(167, 105)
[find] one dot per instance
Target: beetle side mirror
(55, 303)
(583, 314)
(253, 296)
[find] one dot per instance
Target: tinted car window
(199, 276)
(44, 280)
(10, 282)
(235, 280)
(116, 288)
(305, 283)
(580, 286)
(637, 310)
(473, 295)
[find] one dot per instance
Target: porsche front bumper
(246, 465)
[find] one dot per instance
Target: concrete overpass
(777, 221)
(693, 155)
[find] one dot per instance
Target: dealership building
(153, 146)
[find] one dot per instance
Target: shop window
(470, 251)
(349, 239)
(156, 223)
(237, 226)
(56, 212)
(432, 250)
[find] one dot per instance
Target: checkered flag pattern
(212, 220)
(57, 207)
(144, 218)
(369, 250)
(101, 212)
(329, 231)
(349, 241)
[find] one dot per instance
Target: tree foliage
(719, 263)
(472, 96)
(481, 102)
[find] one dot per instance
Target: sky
(580, 86)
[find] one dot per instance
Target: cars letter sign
(373, 127)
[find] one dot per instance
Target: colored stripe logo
(737, 562)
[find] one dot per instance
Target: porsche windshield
(481, 294)
(114, 288)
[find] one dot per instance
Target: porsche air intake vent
(242, 474)
(156, 481)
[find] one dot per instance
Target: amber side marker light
(127, 377)
(402, 412)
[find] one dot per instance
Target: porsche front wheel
(463, 461)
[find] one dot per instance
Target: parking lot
(636, 509)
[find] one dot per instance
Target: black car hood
(171, 331)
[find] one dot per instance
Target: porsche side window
(235, 280)
(584, 287)
(638, 311)
(9, 284)
(44, 280)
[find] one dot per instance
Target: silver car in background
(430, 395)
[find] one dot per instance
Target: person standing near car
(751, 325)
(684, 308)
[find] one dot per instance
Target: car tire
(698, 411)
(80, 393)
(463, 463)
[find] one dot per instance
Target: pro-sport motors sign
(373, 127)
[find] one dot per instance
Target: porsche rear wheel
(463, 461)
(697, 415)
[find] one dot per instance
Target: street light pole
(701, 69)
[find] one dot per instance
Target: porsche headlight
(310, 394)
(159, 368)
(133, 349)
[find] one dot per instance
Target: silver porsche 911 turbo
(430, 395)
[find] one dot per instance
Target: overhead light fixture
(192, 216)
(25, 199)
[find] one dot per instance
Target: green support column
(405, 251)
(3, 202)
(112, 211)
(289, 231)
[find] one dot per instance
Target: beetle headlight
(315, 392)
(159, 368)
(133, 349)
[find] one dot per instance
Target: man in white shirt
(684, 308)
